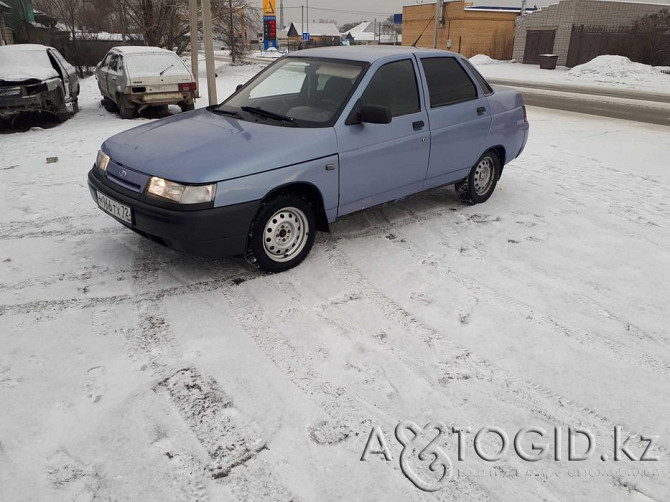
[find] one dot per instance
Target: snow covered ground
(131, 372)
(604, 71)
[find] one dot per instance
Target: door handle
(418, 125)
(481, 110)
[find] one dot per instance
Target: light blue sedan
(318, 134)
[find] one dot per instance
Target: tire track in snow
(528, 391)
(340, 404)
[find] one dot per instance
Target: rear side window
(448, 83)
(478, 77)
(394, 86)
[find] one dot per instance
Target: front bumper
(213, 232)
(15, 104)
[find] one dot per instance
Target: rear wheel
(62, 112)
(482, 180)
(187, 107)
(126, 108)
(282, 233)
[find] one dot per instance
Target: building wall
(567, 13)
(470, 32)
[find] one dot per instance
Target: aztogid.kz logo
(426, 464)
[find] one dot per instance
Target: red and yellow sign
(269, 8)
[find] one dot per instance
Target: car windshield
(153, 64)
(307, 92)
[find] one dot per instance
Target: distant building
(462, 27)
(320, 34)
(370, 33)
(579, 30)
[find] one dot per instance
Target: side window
(119, 64)
(478, 77)
(394, 86)
(113, 62)
(448, 83)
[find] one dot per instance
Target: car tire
(187, 107)
(75, 106)
(482, 180)
(62, 113)
(282, 233)
(126, 109)
(109, 105)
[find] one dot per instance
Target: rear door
(383, 162)
(114, 75)
(459, 117)
(101, 73)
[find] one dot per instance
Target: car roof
(25, 47)
(367, 53)
(140, 49)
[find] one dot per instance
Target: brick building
(560, 29)
(468, 30)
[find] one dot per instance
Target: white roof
(318, 29)
(139, 49)
(25, 47)
(364, 32)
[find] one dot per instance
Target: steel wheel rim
(285, 234)
(483, 177)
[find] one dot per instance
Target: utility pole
(232, 31)
(308, 20)
(209, 50)
(195, 45)
(438, 16)
(302, 19)
(523, 7)
(281, 14)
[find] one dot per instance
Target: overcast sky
(344, 11)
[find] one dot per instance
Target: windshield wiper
(215, 109)
(267, 114)
(166, 69)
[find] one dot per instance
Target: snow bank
(618, 69)
(481, 59)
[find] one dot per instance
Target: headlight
(183, 194)
(102, 160)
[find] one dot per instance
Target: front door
(384, 162)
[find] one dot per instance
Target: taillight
(186, 87)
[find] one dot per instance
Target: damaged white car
(36, 78)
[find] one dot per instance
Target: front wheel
(482, 180)
(282, 233)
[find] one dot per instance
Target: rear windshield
(153, 64)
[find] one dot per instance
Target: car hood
(17, 73)
(204, 147)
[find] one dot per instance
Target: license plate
(12, 91)
(116, 209)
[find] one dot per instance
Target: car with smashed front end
(36, 78)
(318, 134)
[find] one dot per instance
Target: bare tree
(235, 20)
(69, 13)
(162, 23)
(652, 38)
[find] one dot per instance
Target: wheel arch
(311, 193)
(501, 153)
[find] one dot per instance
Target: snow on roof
(364, 32)
(24, 47)
(139, 49)
(316, 29)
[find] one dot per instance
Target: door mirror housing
(369, 114)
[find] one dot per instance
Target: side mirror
(370, 114)
(239, 86)
(374, 114)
